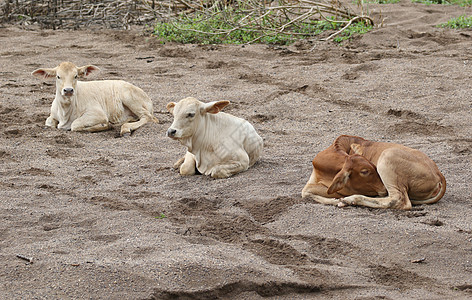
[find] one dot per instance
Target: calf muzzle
(171, 132)
(68, 92)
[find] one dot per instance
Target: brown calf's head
(358, 176)
(187, 114)
(66, 75)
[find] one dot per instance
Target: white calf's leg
(188, 166)
(231, 167)
(91, 122)
(141, 106)
(51, 122)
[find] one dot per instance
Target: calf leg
(238, 163)
(141, 106)
(188, 164)
(318, 192)
(51, 122)
(178, 163)
(228, 169)
(127, 128)
(91, 122)
(393, 200)
(396, 187)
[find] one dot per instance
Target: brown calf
(408, 175)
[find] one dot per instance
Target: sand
(108, 218)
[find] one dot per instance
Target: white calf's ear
(170, 107)
(44, 73)
(215, 106)
(87, 70)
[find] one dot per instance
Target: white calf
(95, 105)
(218, 144)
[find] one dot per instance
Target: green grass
(446, 2)
(459, 22)
(357, 28)
(201, 29)
(161, 216)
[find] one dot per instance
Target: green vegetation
(459, 22)
(357, 28)
(161, 216)
(447, 2)
(235, 27)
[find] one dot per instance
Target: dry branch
(347, 25)
(267, 18)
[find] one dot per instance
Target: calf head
(358, 176)
(66, 75)
(188, 114)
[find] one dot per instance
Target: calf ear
(356, 148)
(215, 106)
(87, 70)
(44, 73)
(339, 181)
(170, 107)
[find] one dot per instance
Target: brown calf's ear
(339, 181)
(87, 70)
(44, 73)
(215, 106)
(170, 107)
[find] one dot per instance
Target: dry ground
(88, 207)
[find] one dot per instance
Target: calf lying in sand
(218, 144)
(346, 170)
(95, 105)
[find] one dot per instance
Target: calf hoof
(178, 163)
(347, 201)
(220, 173)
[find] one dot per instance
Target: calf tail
(150, 117)
(154, 119)
(439, 195)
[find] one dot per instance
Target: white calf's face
(188, 113)
(66, 79)
(66, 75)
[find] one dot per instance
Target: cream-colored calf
(95, 105)
(218, 144)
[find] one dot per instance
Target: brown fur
(409, 176)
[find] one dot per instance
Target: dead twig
(28, 259)
(261, 18)
(347, 25)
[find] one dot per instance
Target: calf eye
(75, 77)
(58, 77)
(365, 172)
(190, 115)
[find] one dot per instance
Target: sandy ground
(108, 218)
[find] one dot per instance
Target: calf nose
(171, 132)
(68, 91)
